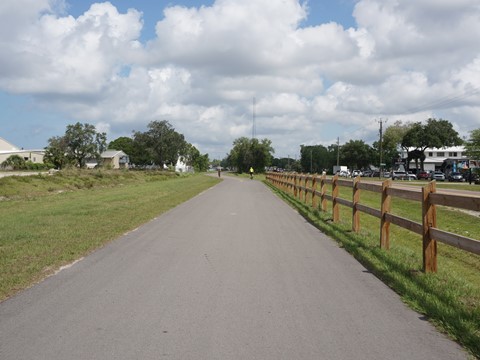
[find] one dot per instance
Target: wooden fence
(300, 185)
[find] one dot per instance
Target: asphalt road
(234, 273)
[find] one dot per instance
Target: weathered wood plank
(405, 223)
(468, 202)
(455, 240)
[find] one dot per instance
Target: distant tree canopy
(356, 154)
(433, 134)
(160, 145)
(315, 158)
(124, 144)
(287, 164)
(391, 142)
(80, 143)
(248, 153)
(193, 158)
(472, 145)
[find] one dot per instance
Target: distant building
(7, 149)
(445, 159)
(116, 159)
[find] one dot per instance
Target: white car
(402, 175)
(438, 175)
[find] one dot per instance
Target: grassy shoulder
(50, 221)
(450, 299)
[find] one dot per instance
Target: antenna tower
(254, 130)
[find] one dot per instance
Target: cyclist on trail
(251, 172)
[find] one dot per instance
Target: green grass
(50, 221)
(450, 298)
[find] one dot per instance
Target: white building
(7, 149)
(449, 157)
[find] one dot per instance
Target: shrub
(15, 162)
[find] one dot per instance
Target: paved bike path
(234, 273)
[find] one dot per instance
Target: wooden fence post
(295, 190)
(323, 192)
(429, 219)
(292, 184)
(385, 208)
(356, 200)
(305, 195)
(300, 194)
(314, 190)
(335, 205)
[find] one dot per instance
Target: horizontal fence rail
(302, 186)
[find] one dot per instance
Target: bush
(15, 162)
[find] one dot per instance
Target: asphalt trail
(234, 273)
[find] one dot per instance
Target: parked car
(438, 175)
(402, 175)
(367, 173)
(423, 175)
(456, 176)
(356, 173)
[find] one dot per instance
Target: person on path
(251, 172)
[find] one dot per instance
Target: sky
(311, 71)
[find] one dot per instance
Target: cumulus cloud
(53, 54)
(403, 60)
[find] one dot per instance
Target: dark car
(456, 176)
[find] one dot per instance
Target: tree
(356, 154)
(250, 152)
(472, 145)
(80, 142)
(314, 158)
(391, 142)
(56, 152)
(16, 162)
(124, 144)
(288, 164)
(433, 134)
(141, 155)
(160, 144)
(84, 142)
(195, 159)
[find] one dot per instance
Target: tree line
(160, 145)
(414, 138)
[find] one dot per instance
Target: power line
(444, 101)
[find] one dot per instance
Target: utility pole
(381, 144)
(338, 151)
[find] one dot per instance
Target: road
(234, 273)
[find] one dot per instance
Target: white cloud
(52, 54)
(405, 60)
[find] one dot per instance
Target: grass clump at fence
(450, 299)
(43, 229)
